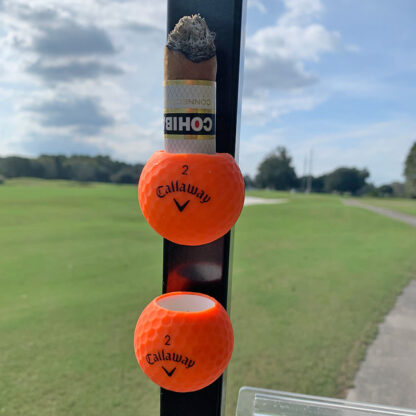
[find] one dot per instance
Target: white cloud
(257, 4)
(125, 36)
(300, 11)
(254, 149)
(111, 70)
(380, 147)
(352, 48)
(105, 13)
(267, 73)
(128, 140)
(303, 43)
(263, 107)
(276, 81)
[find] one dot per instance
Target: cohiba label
(189, 109)
(189, 124)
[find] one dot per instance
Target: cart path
(395, 215)
(388, 373)
(254, 200)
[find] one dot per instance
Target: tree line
(274, 172)
(277, 172)
(76, 168)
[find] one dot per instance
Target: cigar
(190, 71)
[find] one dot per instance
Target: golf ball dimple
(191, 199)
(188, 343)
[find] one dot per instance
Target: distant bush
(2, 179)
(346, 180)
(368, 189)
(399, 189)
(317, 183)
(389, 190)
(77, 168)
(386, 190)
(126, 175)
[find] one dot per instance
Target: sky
(332, 81)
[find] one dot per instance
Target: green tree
(346, 180)
(15, 166)
(126, 175)
(386, 190)
(369, 189)
(49, 168)
(276, 171)
(317, 183)
(410, 171)
(81, 170)
(399, 189)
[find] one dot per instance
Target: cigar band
(189, 109)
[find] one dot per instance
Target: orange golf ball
(183, 341)
(191, 199)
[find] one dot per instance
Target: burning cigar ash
(192, 37)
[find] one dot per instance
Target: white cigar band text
(189, 109)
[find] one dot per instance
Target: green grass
(407, 206)
(312, 278)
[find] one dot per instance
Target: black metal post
(206, 268)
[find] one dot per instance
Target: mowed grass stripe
(312, 278)
(77, 268)
(313, 284)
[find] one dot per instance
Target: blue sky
(337, 78)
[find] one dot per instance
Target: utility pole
(305, 173)
(309, 186)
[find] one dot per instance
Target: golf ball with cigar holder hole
(183, 341)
